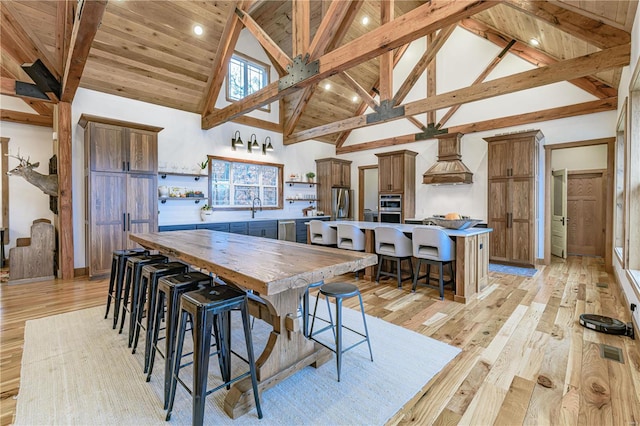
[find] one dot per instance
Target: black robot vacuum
(607, 325)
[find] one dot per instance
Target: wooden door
(106, 221)
(559, 213)
(142, 205)
(498, 202)
(521, 221)
(142, 155)
(585, 212)
(106, 144)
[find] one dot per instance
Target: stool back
(392, 242)
(350, 237)
(322, 234)
(433, 243)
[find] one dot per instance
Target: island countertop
(409, 228)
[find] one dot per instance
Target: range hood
(449, 169)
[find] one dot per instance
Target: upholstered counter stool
(322, 234)
(392, 244)
(340, 291)
(168, 293)
(116, 280)
(210, 309)
(434, 247)
(147, 298)
(131, 286)
(350, 237)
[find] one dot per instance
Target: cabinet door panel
(397, 173)
(522, 155)
(498, 153)
(498, 193)
(142, 211)
(143, 151)
(107, 153)
(521, 207)
(106, 219)
(521, 243)
(385, 180)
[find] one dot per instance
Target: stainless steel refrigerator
(341, 203)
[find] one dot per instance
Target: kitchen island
(472, 254)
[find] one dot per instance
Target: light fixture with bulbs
(236, 141)
(252, 143)
(266, 146)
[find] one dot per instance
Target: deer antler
(20, 158)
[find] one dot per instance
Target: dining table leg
(286, 352)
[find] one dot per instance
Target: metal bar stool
(147, 296)
(340, 291)
(118, 263)
(168, 293)
(211, 308)
(132, 284)
(306, 312)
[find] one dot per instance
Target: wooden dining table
(278, 272)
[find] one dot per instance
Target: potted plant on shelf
(206, 213)
(310, 176)
(203, 166)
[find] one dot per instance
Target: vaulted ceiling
(146, 50)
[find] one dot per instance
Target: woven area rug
(77, 370)
(512, 270)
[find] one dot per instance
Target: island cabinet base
(472, 266)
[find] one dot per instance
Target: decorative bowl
(455, 223)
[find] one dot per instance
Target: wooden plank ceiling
(146, 50)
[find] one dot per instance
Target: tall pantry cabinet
(121, 166)
(513, 177)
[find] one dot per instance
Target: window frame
(248, 60)
(280, 183)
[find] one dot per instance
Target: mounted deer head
(47, 183)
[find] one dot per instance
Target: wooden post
(64, 222)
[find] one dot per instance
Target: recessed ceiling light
(354, 99)
(365, 20)
(197, 29)
(534, 42)
(327, 86)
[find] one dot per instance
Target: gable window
(245, 76)
(236, 183)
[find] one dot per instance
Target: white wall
(26, 202)
(625, 281)
(580, 158)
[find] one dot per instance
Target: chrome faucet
(253, 206)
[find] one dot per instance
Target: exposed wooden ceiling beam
(590, 30)
(534, 56)
(557, 113)
(229, 39)
(65, 12)
(431, 78)
(566, 70)
(300, 26)
(267, 43)
(26, 118)
(397, 55)
(402, 30)
(19, 41)
(422, 64)
(494, 63)
(332, 29)
(386, 59)
(88, 19)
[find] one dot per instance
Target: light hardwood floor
(525, 359)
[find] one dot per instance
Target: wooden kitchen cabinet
(397, 175)
(121, 187)
(330, 173)
(512, 195)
